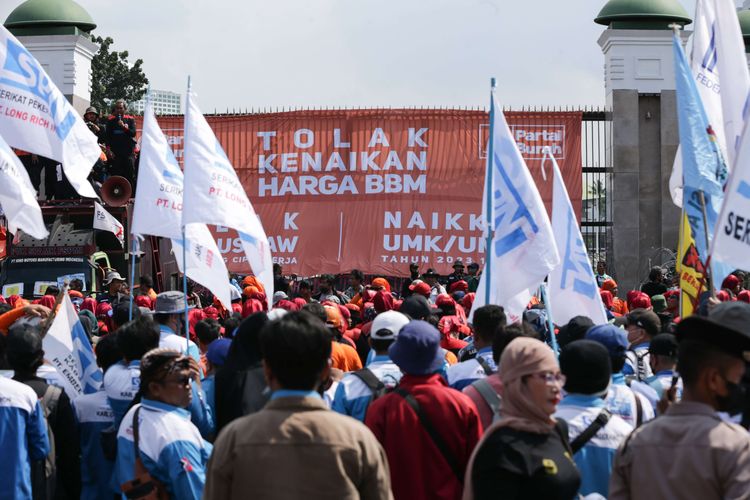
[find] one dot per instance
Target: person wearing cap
(343, 355)
(487, 319)
(169, 313)
(472, 278)
(359, 388)
(457, 274)
(25, 354)
(587, 369)
(295, 447)
(413, 275)
(663, 359)
(526, 453)
(117, 290)
(216, 356)
(689, 451)
(642, 325)
(91, 119)
(94, 415)
(420, 468)
(170, 445)
(23, 434)
(431, 278)
(621, 400)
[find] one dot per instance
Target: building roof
(642, 14)
(40, 17)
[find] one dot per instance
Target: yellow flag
(691, 269)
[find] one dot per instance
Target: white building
(165, 102)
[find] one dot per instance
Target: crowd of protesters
(372, 392)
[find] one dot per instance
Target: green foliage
(113, 78)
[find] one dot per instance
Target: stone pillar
(67, 61)
(639, 81)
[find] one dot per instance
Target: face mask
(734, 402)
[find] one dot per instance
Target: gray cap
(111, 276)
(171, 302)
(91, 109)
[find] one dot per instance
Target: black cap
(575, 329)
(431, 272)
(473, 265)
(586, 366)
(727, 328)
(416, 307)
(458, 263)
(664, 344)
(643, 318)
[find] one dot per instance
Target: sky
(362, 53)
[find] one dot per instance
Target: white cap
(387, 325)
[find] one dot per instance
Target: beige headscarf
(523, 356)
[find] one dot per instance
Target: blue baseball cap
(417, 350)
(218, 351)
(613, 338)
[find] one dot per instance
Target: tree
(113, 78)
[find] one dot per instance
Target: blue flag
(704, 169)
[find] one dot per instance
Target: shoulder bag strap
(638, 410)
(590, 431)
(436, 438)
(485, 365)
(489, 395)
(369, 379)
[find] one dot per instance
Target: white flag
(68, 349)
(731, 241)
(37, 118)
(158, 199)
(522, 251)
(158, 212)
(104, 221)
(719, 65)
(17, 196)
(214, 194)
(205, 264)
(572, 287)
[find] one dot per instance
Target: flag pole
(488, 195)
(550, 323)
(709, 273)
(133, 252)
(184, 242)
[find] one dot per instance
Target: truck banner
(376, 189)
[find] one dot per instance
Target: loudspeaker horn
(116, 191)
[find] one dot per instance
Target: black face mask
(734, 402)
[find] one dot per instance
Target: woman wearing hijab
(526, 453)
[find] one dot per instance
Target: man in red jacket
(427, 429)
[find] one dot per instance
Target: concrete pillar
(67, 61)
(639, 81)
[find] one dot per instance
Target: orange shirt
(344, 357)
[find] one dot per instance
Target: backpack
(485, 365)
(44, 473)
(641, 370)
(376, 386)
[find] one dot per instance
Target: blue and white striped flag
(67, 348)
